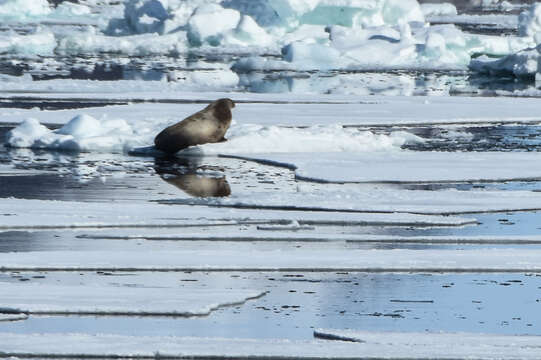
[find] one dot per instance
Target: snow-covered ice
(378, 345)
(39, 43)
(296, 232)
(86, 133)
(194, 258)
(520, 64)
(408, 166)
(307, 35)
(298, 110)
(440, 345)
(13, 317)
(42, 214)
(118, 300)
(379, 199)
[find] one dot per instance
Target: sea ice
(21, 10)
(520, 64)
(39, 214)
(81, 133)
(305, 258)
(408, 166)
(380, 345)
(394, 30)
(529, 21)
(146, 16)
(250, 139)
(294, 232)
(106, 300)
(91, 42)
(378, 199)
(440, 345)
(40, 42)
(86, 133)
(13, 317)
(430, 9)
(280, 110)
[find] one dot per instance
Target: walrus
(206, 126)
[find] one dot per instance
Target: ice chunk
(81, 125)
(209, 22)
(529, 21)
(522, 64)
(26, 133)
(67, 9)
(248, 32)
(246, 139)
(438, 9)
(92, 42)
(344, 39)
(82, 133)
(40, 42)
(103, 300)
(445, 45)
(312, 56)
(206, 80)
(146, 15)
(22, 10)
(293, 13)
(401, 11)
(260, 10)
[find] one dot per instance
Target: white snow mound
(86, 133)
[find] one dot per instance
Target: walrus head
(222, 109)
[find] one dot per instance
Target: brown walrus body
(206, 126)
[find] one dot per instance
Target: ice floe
(276, 259)
(39, 214)
(378, 199)
(83, 132)
(297, 110)
(13, 317)
(86, 133)
(441, 345)
(521, 64)
(118, 300)
(294, 232)
(264, 139)
(378, 345)
(408, 166)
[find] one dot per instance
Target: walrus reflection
(200, 186)
(206, 126)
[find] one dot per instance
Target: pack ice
(304, 35)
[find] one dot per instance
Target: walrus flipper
(171, 142)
